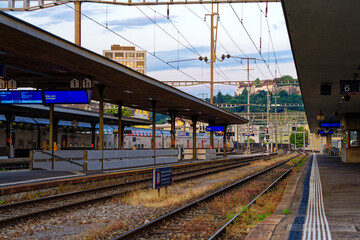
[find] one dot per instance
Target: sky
(184, 36)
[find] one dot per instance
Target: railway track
(174, 224)
(14, 212)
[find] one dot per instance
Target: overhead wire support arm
(27, 6)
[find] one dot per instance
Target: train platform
(21, 178)
(321, 202)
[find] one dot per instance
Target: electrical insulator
(200, 58)
(206, 59)
(228, 56)
(223, 57)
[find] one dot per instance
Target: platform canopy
(324, 36)
(38, 59)
(68, 114)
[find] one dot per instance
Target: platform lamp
(320, 116)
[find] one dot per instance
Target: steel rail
(217, 234)
(212, 169)
(130, 234)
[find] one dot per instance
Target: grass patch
(179, 193)
(263, 207)
(286, 211)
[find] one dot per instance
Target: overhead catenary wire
(195, 51)
(231, 38)
(136, 45)
(172, 23)
(270, 36)
(251, 39)
(156, 24)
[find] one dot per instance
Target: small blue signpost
(162, 177)
(248, 134)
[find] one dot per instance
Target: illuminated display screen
(67, 97)
(80, 96)
(323, 132)
(54, 97)
(18, 97)
(330, 125)
(215, 128)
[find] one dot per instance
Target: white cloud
(129, 22)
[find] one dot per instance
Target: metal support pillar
(329, 143)
(276, 126)
(101, 123)
(51, 135)
(93, 135)
(172, 131)
(153, 103)
(211, 123)
(224, 139)
(38, 137)
(304, 137)
(77, 6)
(56, 138)
(120, 129)
(194, 121)
(9, 132)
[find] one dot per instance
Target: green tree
(114, 109)
(299, 138)
(257, 82)
(251, 140)
(286, 78)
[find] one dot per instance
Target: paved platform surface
(324, 201)
(21, 177)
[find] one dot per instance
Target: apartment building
(127, 56)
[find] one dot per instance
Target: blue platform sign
(325, 132)
(248, 134)
(330, 125)
(215, 128)
(162, 177)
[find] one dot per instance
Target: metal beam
(31, 5)
(231, 82)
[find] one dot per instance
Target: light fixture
(128, 91)
(320, 116)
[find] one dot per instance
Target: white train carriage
(139, 138)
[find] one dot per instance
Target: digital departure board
(54, 97)
(21, 97)
(78, 96)
(45, 97)
(215, 128)
(67, 97)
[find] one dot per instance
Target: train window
(142, 145)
